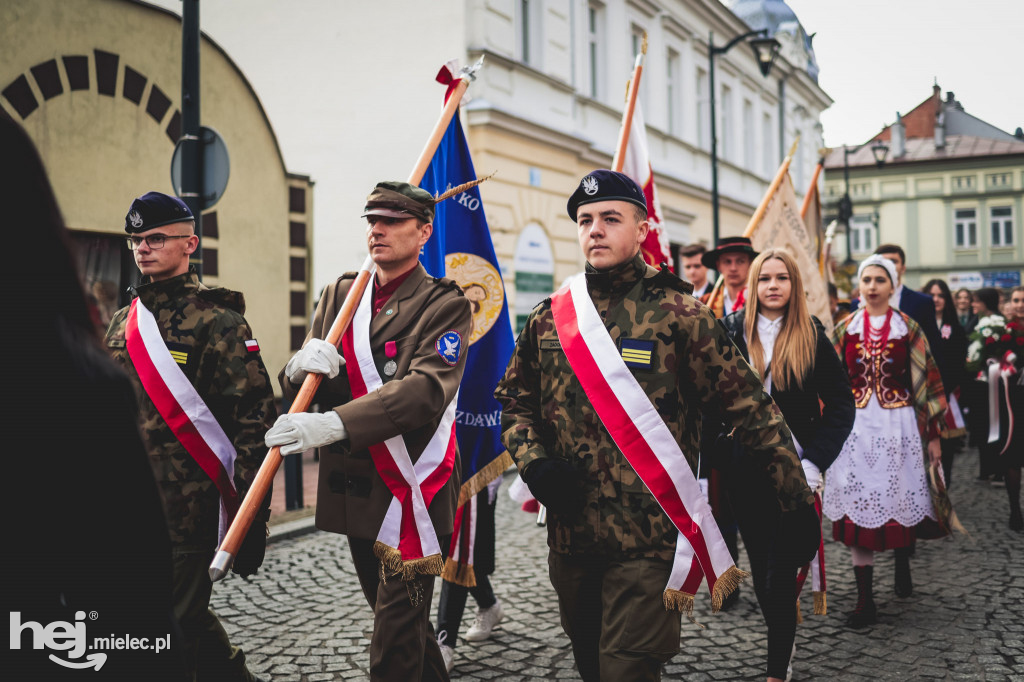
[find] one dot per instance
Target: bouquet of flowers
(996, 339)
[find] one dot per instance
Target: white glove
(318, 357)
(812, 473)
(301, 431)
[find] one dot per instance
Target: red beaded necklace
(875, 339)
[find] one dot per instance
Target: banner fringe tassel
(459, 574)
(481, 479)
(725, 585)
(391, 560)
(799, 615)
(676, 600)
(820, 604)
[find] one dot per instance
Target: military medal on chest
(390, 350)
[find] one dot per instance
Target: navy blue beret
(154, 209)
(605, 185)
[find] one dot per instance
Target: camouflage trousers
(614, 614)
(208, 653)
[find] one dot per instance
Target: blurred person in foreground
(86, 532)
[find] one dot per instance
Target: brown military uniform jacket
(206, 332)
(694, 367)
(352, 498)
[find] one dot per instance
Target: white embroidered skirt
(880, 473)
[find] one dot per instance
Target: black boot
(864, 613)
(904, 586)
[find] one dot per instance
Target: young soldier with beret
(391, 407)
(188, 350)
(612, 524)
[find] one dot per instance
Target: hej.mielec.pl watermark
(71, 639)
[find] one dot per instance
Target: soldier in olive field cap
(612, 543)
(390, 408)
(205, 402)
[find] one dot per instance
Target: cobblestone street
(303, 617)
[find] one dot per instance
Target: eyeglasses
(153, 241)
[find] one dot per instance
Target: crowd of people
(653, 425)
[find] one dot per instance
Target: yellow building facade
(97, 84)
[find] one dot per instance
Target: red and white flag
(637, 165)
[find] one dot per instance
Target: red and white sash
(816, 569)
(649, 447)
(407, 541)
(177, 401)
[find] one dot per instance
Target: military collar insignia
(589, 185)
(448, 346)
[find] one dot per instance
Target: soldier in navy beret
(154, 209)
(606, 185)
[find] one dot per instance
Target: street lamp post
(765, 49)
(879, 149)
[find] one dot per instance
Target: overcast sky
(878, 57)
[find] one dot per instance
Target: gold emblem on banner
(483, 287)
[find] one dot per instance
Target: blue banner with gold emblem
(461, 249)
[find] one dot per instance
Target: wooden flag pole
(755, 219)
(813, 187)
(627, 115)
(265, 476)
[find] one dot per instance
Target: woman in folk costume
(791, 351)
(877, 491)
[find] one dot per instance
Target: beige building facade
(97, 86)
(950, 192)
(547, 107)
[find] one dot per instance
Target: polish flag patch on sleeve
(252, 345)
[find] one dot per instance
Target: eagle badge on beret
(135, 219)
(590, 185)
(448, 346)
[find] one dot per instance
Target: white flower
(986, 331)
(974, 351)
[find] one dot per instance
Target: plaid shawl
(925, 380)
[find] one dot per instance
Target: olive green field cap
(394, 199)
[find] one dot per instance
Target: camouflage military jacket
(694, 367)
(206, 333)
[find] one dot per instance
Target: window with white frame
(1001, 219)
(728, 148)
(767, 148)
(674, 92)
(748, 134)
(703, 107)
(595, 55)
(862, 234)
(530, 32)
(965, 228)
